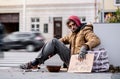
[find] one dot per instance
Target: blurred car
(31, 41)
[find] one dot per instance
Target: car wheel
(5, 49)
(30, 48)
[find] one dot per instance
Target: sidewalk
(7, 74)
(10, 61)
(16, 74)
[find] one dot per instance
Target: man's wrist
(86, 46)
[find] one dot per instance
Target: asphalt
(9, 63)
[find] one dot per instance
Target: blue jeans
(54, 47)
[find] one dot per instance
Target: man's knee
(54, 40)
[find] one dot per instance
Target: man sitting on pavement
(81, 39)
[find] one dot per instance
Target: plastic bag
(101, 62)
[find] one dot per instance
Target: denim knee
(54, 40)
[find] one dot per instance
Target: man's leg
(48, 50)
(51, 48)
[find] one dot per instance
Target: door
(57, 27)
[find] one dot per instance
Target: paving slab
(16, 74)
(43, 73)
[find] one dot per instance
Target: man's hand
(83, 52)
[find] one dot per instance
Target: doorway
(57, 27)
(10, 22)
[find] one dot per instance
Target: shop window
(108, 16)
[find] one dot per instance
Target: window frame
(45, 29)
(35, 24)
(117, 4)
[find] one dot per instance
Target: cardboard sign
(81, 66)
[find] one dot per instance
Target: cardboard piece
(81, 66)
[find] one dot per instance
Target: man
(80, 39)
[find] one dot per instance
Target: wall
(46, 9)
(38, 2)
(110, 38)
(107, 6)
(44, 12)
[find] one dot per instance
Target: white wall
(110, 38)
(19, 2)
(44, 12)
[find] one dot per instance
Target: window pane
(37, 20)
(83, 19)
(32, 29)
(45, 28)
(32, 26)
(37, 26)
(32, 19)
(37, 29)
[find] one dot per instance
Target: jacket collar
(80, 28)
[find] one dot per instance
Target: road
(15, 58)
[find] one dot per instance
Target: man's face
(72, 26)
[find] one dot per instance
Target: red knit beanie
(76, 19)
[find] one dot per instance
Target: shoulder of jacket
(88, 26)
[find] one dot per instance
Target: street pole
(95, 11)
(24, 15)
(102, 11)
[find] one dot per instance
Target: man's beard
(76, 31)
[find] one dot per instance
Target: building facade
(107, 8)
(47, 16)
